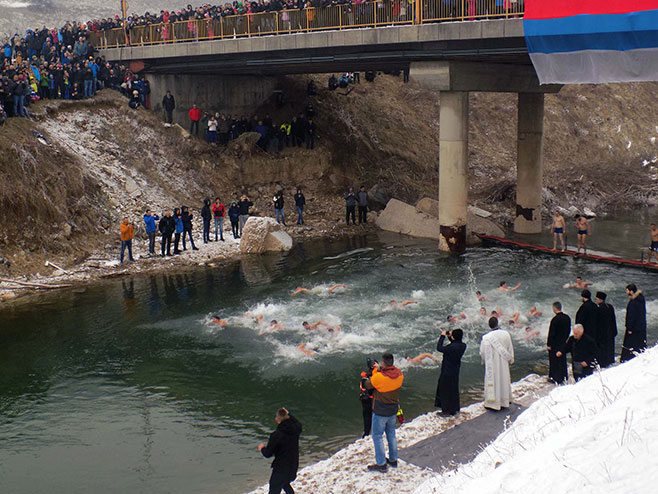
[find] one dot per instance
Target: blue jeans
(88, 89)
(300, 218)
(19, 101)
(279, 213)
(381, 424)
(219, 227)
(129, 245)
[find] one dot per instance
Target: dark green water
(127, 387)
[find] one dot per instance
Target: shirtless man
(530, 333)
(331, 290)
(481, 298)
(318, 324)
(458, 317)
(504, 288)
(307, 351)
(300, 289)
(558, 227)
(582, 229)
(654, 243)
(395, 303)
(580, 284)
(483, 311)
(534, 312)
(219, 321)
(273, 326)
(419, 359)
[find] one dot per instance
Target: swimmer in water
(219, 321)
(395, 303)
(504, 288)
(273, 326)
(419, 359)
(307, 351)
(481, 298)
(321, 325)
(530, 333)
(458, 317)
(331, 290)
(580, 284)
(534, 312)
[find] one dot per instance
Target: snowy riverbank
(345, 471)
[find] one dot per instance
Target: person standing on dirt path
(558, 227)
(195, 116)
(149, 223)
(186, 216)
(244, 206)
(234, 216)
(218, 211)
(178, 220)
(127, 234)
(206, 215)
(300, 202)
(350, 205)
(362, 199)
(167, 227)
(168, 105)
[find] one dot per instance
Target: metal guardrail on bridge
(337, 17)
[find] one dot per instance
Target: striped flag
(592, 41)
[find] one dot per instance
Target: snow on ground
(345, 472)
(598, 435)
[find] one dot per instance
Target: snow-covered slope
(599, 435)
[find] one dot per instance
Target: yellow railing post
(340, 18)
(374, 6)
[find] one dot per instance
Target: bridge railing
(337, 17)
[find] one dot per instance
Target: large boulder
(261, 235)
(423, 221)
(403, 218)
(379, 195)
(244, 145)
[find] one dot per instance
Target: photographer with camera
(385, 382)
(365, 396)
(447, 389)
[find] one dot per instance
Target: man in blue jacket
(149, 223)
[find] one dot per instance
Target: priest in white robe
(497, 354)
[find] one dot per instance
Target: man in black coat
(186, 217)
(167, 227)
(447, 389)
(168, 105)
(606, 330)
(284, 446)
(206, 215)
(583, 352)
(635, 338)
(586, 314)
(558, 333)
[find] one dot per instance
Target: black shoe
(394, 464)
(194, 248)
(222, 240)
(378, 468)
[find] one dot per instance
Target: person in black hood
(284, 446)
(586, 314)
(167, 227)
(206, 215)
(186, 216)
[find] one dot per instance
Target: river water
(128, 387)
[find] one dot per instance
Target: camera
(371, 363)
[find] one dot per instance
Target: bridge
(452, 47)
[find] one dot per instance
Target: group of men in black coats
(593, 340)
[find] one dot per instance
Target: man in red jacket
(195, 116)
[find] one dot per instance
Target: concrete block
(194, 49)
(369, 36)
(493, 29)
(260, 44)
(319, 40)
(287, 41)
(407, 34)
(514, 28)
(352, 37)
(388, 35)
(336, 38)
(180, 49)
(230, 45)
(427, 32)
(303, 40)
(157, 51)
(449, 30)
(470, 30)
(273, 42)
(205, 48)
(244, 45)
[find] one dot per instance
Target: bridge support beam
(453, 166)
(529, 163)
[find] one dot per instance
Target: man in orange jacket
(386, 383)
(127, 235)
(195, 116)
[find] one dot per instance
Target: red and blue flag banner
(592, 41)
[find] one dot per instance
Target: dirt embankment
(64, 194)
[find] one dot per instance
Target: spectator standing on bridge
(362, 198)
(195, 116)
(350, 205)
(168, 105)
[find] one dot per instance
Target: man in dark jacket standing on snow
(284, 446)
(635, 338)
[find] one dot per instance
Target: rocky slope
(65, 193)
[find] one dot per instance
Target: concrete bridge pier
(530, 131)
(453, 168)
